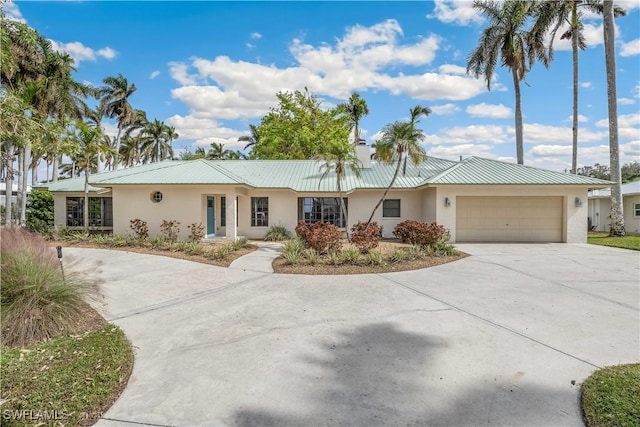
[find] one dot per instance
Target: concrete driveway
(503, 337)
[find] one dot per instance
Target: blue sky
(212, 68)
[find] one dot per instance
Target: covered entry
(509, 219)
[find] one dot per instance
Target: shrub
(366, 237)
(323, 237)
(350, 255)
(421, 233)
(37, 302)
(196, 232)
(293, 250)
(375, 258)
(277, 233)
(140, 228)
(239, 243)
(312, 256)
(302, 229)
(39, 215)
(169, 230)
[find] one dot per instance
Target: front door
(211, 216)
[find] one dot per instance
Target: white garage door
(509, 219)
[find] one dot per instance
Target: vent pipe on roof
(364, 156)
(460, 158)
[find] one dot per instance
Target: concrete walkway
(503, 337)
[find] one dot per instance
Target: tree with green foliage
(507, 38)
(554, 14)
(401, 142)
(155, 141)
(356, 108)
(115, 99)
(299, 128)
(218, 152)
(40, 212)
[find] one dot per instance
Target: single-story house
(600, 208)
(477, 199)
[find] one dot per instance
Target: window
(391, 208)
(100, 211)
(322, 209)
(223, 211)
(636, 209)
(259, 211)
(156, 197)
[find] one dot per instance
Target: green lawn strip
(611, 397)
(626, 242)
(68, 381)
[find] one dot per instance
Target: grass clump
(611, 397)
(626, 242)
(277, 233)
(69, 381)
(38, 303)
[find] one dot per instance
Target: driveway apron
(502, 337)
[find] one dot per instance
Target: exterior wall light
(447, 202)
(578, 202)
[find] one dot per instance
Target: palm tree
(555, 14)
(356, 108)
(115, 98)
(401, 141)
(506, 37)
(617, 219)
(89, 146)
(217, 152)
(339, 158)
(155, 141)
(252, 139)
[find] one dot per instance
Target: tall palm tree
(506, 37)
(155, 141)
(356, 108)
(401, 141)
(554, 14)
(89, 146)
(115, 98)
(617, 219)
(217, 152)
(339, 158)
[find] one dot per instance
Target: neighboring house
(478, 200)
(600, 208)
(14, 193)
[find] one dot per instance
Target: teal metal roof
(306, 175)
(72, 185)
(479, 171)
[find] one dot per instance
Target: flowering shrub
(421, 233)
(320, 236)
(366, 237)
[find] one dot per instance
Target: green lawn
(611, 397)
(626, 242)
(68, 381)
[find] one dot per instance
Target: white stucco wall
(361, 204)
(631, 222)
(574, 218)
(60, 206)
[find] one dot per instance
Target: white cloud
(154, 74)
(581, 119)
(79, 52)
(539, 133)
(205, 131)
(365, 58)
(585, 85)
(255, 36)
(249, 46)
(11, 11)
(626, 101)
(625, 120)
(489, 110)
(459, 12)
(631, 48)
(444, 109)
(472, 135)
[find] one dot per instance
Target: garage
(509, 219)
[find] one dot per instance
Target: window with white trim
(636, 209)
